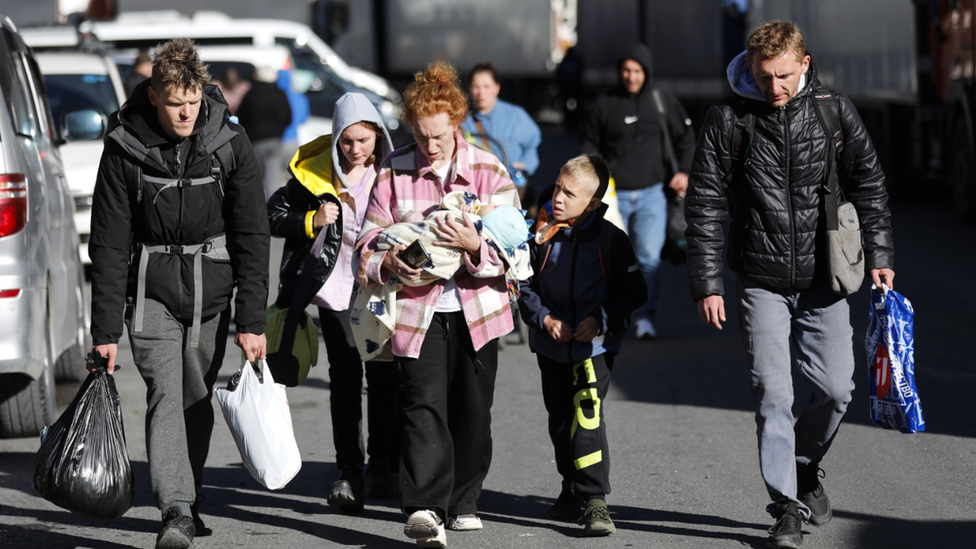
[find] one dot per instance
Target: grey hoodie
(351, 109)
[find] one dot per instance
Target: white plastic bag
(256, 411)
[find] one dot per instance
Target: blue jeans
(807, 332)
(645, 214)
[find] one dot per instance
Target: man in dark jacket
(178, 220)
(265, 114)
(625, 128)
(789, 315)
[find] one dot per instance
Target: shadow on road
(694, 365)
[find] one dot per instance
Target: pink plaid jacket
(408, 190)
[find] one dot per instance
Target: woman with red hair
(446, 333)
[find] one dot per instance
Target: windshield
(68, 92)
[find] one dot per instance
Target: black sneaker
(198, 525)
(379, 480)
(568, 507)
(786, 532)
(347, 492)
(596, 519)
(811, 492)
(177, 532)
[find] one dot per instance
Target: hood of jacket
(351, 109)
(639, 53)
(744, 84)
(137, 129)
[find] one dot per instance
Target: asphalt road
(682, 438)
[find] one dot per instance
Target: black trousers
(346, 402)
(574, 395)
(447, 419)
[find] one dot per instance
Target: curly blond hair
(774, 38)
(436, 90)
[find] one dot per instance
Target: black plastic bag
(83, 465)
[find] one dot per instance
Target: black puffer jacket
(777, 237)
(184, 215)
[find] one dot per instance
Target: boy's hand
(557, 329)
(587, 330)
(466, 208)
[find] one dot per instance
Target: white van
(76, 80)
(143, 30)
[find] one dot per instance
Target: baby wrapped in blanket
(373, 317)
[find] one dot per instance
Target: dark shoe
(347, 492)
(596, 519)
(785, 533)
(811, 492)
(379, 480)
(568, 507)
(177, 532)
(198, 525)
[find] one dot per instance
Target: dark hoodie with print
(182, 215)
(626, 131)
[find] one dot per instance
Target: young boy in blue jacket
(586, 283)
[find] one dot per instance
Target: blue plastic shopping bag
(891, 362)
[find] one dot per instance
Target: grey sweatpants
(179, 385)
(808, 331)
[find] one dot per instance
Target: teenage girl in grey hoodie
(332, 177)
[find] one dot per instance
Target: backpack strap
(225, 165)
(214, 248)
(132, 172)
(743, 128)
(662, 114)
(828, 112)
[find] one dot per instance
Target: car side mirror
(83, 125)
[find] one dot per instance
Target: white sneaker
(464, 523)
(440, 540)
(427, 528)
(645, 330)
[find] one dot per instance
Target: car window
(68, 92)
(13, 81)
(308, 60)
(40, 95)
(217, 69)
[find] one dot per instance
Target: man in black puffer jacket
(178, 221)
(789, 315)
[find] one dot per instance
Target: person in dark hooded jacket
(791, 319)
(625, 128)
(332, 177)
(577, 307)
(178, 221)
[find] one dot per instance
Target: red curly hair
(436, 90)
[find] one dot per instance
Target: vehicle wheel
(70, 365)
(26, 405)
(961, 174)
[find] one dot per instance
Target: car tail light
(9, 293)
(13, 203)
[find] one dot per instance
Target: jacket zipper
(572, 295)
(789, 198)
